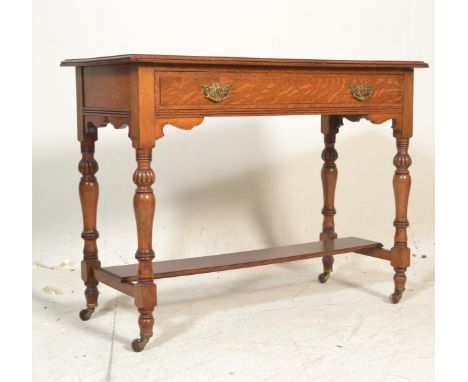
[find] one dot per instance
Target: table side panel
(107, 88)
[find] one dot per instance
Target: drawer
(187, 90)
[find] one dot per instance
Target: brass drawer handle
(217, 92)
(361, 92)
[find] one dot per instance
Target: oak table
(147, 92)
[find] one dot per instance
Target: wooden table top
(240, 61)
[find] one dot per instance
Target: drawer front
(187, 90)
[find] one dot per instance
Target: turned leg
(400, 253)
(144, 204)
(330, 126)
(89, 193)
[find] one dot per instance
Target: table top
(240, 61)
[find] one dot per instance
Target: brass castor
(396, 296)
(86, 314)
(138, 344)
(323, 277)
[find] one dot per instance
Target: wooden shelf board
(216, 263)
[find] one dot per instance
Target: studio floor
(272, 323)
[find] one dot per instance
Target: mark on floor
(109, 366)
(63, 264)
(52, 290)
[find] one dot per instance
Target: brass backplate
(217, 92)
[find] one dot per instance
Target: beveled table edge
(241, 61)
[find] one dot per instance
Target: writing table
(147, 92)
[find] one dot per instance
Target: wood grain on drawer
(183, 90)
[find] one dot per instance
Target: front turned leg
(89, 193)
(400, 253)
(329, 173)
(144, 204)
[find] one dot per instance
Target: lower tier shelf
(122, 277)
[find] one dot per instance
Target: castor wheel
(139, 344)
(323, 277)
(86, 314)
(396, 296)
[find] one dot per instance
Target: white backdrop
(232, 183)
